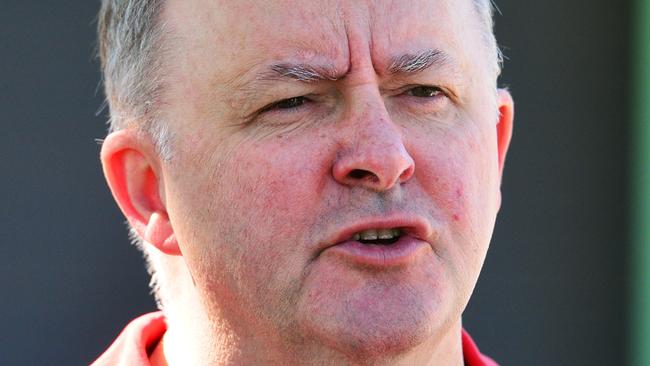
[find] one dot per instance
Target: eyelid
(430, 89)
(405, 88)
(273, 106)
(422, 106)
(415, 86)
(446, 92)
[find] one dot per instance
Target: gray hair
(133, 53)
(485, 10)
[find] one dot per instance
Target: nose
(372, 153)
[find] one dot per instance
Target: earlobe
(160, 234)
(129, 162)
(504, 125)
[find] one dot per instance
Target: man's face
(272, 177)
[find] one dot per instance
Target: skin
(254, 192)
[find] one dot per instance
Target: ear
(132, 170)
(506, 108)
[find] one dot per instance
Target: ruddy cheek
(458, 202)
(459, 192)
(449, 195)
(276, 183)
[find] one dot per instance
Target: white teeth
(369, 234)
(385, 234)
(374, 234)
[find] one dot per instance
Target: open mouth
(378, 236)
(382, 246)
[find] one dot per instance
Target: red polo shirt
(140, 337)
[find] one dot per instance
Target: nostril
(359, 174)
(406, 174)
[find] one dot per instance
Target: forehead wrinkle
(250, 84)
(321, 59)
(286, 72)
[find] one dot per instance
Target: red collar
(472, 355)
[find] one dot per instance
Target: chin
(375, 322)
(371, 339)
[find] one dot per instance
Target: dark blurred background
(553, 290)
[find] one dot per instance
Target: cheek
(279, 182)
(458, 172)
(279, 188)
(267, 183)
(249, 211)
(269, 192)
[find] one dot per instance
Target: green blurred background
(640, 227)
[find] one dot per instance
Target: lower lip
(400, 253)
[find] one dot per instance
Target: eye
(424, 91)
(289, 103)
(289, 110)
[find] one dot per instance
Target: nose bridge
(375, 133)
(373, 153)
(367, 110)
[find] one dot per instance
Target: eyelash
(294, 103)
(436, 91)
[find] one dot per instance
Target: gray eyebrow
(300, 72)
(411, 63)
(408, 63)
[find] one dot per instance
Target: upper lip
(415, 226)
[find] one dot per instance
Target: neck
(179, 348)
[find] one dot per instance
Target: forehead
(239, 35)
